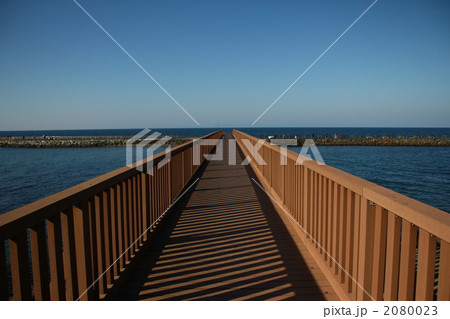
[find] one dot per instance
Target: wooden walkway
(227, 242)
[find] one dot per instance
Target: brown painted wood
(392, 257)
(306, 201)
(119, 228)
(145, 205)
(92, 209)
(320, 213)
(107, 237)
(444, 273)
(356, 236)
(330, 220)
(100, 243)
(125, 222)
(323, 229)
(83, 251)
(20, 271)
(365, 252)
(342, 233)
(407, 262)
(136, 213)
(350, 211)
(425, 266)
(336, 225)
(314, 207)
(55, 254)
(4, 289)
(379, 257)
(69, 254)
(133, 214)
(39, 262)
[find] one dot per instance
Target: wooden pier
(225, 231)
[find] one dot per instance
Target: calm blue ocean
(255, 131)
(422, 173)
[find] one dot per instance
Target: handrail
(371, 242)
(83, 230)
(65, 198)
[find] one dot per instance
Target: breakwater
(105, 141)
(74, 142)
(398, 141)
(368, 141)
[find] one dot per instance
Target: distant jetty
(106, 141)
(381, 141)
(75, 141)
(367, 141)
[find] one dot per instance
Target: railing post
(283, 183)
(350, 242)
(342, 233)
(145, 203)
(425, 267)
(39, 262)
(356, 229)
(365, 250)
(183, 173)
(305, 200)
(100, 212)
(4, 289)
(169, 180)
(444, 273)
(407, 261)
(83, 251)
(392, 257)
(92, 229)
(336, 243)
(70, 263)
(57, 284)
(379, 253)
(330, 221)
(108, 238)
(20, 271)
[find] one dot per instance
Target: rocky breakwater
(368, 141)
(74, 142)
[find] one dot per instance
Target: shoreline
(116, 141)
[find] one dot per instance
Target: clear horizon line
(226, 127)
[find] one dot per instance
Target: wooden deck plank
(228, 242)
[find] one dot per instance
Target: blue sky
(225, 62)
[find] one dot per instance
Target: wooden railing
(371, 242)
(64, 247)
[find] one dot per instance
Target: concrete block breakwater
(398, 141)
(105, 141)
(79, 141)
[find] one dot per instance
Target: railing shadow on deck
(232, 247)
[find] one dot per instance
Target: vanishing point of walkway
(227, 242)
